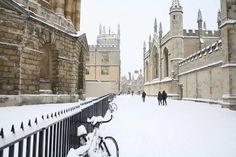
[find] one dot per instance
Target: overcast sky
(136, 19)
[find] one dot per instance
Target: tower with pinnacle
(193, 64)
(103, 60)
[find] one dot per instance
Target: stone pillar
(53, 5)
(68, 9)
(228, 36)
(77, 15)
(60, 7)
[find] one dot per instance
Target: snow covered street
(181, 129)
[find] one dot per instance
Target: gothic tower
(228, 35)
(176, 18)
(177, 47)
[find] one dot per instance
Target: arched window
(146, 72)
(166, 61)
(155, 63)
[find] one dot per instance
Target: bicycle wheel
(115, 106)
(112, 107)
(109, 147)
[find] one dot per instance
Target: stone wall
(154, 86)
(204, 83)
(208, 55)
(37, 58)
(200, 73)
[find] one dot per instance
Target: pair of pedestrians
(162, 98)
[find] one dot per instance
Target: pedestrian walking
(143, 96)
(164, 97)
(159, 97)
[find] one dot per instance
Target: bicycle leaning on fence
(112, 107)
(94, 144)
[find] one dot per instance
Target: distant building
(134, 84)
(41, 52)
(194, 64)
(103, 61)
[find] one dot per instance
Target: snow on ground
(15, 115)
(181, 129)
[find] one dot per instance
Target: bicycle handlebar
(98, 120)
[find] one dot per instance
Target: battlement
(211, 33)
(108, 36)
(201, 53)
(195, 32)
(103, 47)
(190, 32)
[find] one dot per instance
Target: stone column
(53, 5)
(60, 7)
(68, 9)
(77, 15)
(228, 37)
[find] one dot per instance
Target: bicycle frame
(94, 141)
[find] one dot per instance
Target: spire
(104, 30)
(155, 26)
(118, 29)
(160, 27)
(160, 30)
(175, 4)
(204, 25)
(100, 29)
(109, 30)
(144, 47)
(219, 18)
(150, 41)
(199, 17)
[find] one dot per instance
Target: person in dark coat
(159, 97)
(164, 97)
(143, 96)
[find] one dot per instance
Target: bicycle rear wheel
(109, 147)
(112, 107)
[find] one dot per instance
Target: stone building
(41, 52)
(103, 60)
(194, 64)
(134, 84)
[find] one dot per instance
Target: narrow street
(181, 129)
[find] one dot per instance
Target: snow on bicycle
(95, 144)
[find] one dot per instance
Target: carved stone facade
(103, 60)
(41, 57)
(194, 64)
(134, 84)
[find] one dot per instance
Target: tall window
(104, 70)
(87, 70)
(105, 58)
(146, 72)
(155, 63)
(87, 57)
(166, 61)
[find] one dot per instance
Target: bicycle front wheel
(110, 147)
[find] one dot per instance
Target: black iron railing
(56, 135)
